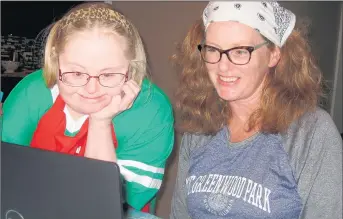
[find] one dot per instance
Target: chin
(227, 98)
(94, 107)
(86, 108)
(227, 95)
(87, 111)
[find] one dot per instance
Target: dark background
(28, 18)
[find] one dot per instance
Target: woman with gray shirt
(255, 144)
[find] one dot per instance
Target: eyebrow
(73, 63)
(212, 44)
(112, 68)
(232, 46)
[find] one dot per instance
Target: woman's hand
(118, 104)
(99, 139)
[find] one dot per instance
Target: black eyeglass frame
(250, 49)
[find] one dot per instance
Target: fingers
(131, 90)
(134, 86)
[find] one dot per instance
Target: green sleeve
(146, 138)
(23, 108)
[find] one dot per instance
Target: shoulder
(317, 122)
(33, 81)
(152, 98)
(192, 141)
(31, 89)
(311, 136)
(150, 117)
(23, 108)
(152, 104)
(323, 129)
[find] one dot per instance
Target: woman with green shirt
(93, 99)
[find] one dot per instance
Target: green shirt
(145, 132)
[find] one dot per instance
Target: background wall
(324, 28)
(336, 104)
(162, 24)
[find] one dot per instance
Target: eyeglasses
(239, 55)
(78, 79)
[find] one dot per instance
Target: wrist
(100, 122)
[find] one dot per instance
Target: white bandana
(269, 18)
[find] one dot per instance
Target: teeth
(228, 79)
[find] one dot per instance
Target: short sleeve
(146, 138)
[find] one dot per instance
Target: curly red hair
(294, 88)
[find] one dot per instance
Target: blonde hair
(294, 88)
(88, 16)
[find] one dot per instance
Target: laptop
(39, 184)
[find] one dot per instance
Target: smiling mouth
(228, 79)
(91, 98)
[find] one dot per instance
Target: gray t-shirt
(294, 175)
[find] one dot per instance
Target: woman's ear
(274, 57)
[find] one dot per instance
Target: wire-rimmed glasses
(79, 79)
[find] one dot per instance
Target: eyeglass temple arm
(262, 44)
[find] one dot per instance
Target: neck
(240, 114)
(241, 110)
(238, 123)
(74, 115)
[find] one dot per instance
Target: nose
(92, 86)
(225, 64)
